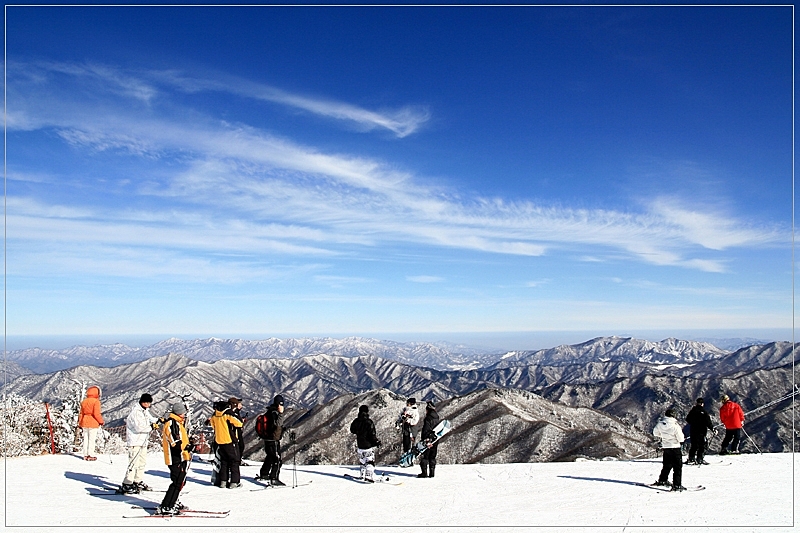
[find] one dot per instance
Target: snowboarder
(89, 420)
(732, 416)
(225, 424)
(177, 454)
(366, 441)
(669, 431)
(427, 459)
(699, 422)
(238, 432)
(409, 417)
(138, 426)
(271, 469)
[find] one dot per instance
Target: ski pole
(751, 440)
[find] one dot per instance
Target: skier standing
(366, 441)
(271, 468)
(89, 420)
(428, 457)
(138, 426)
(699, 422)
(409, 417)
(177, 454)
(732, 416)
(238, 433)
(224, 424)
(669, 431)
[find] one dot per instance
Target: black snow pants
(271, 468)
(427, 460)
(406, 437)
(731, 435)
(697, 446)
(177, 474)
(229, 463)
(672, 461)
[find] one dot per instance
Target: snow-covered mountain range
(634, 392)
(622, 349)
(440, 356)
(443, 356)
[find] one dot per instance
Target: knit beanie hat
(363, 409)
(146, 398)
(178, 408)
(278, 400)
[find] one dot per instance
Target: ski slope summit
(753, 492)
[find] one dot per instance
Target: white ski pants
(137, 461)
(367, 460)
(89, 438)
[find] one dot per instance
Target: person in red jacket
(732, 416)
(89, 420)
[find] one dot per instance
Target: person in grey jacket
(669, 431)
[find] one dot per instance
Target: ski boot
(127, 489)
(678, 488)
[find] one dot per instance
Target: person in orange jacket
(732, 416)
(89, 420)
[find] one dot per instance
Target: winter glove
(189, 447)
(154, 425)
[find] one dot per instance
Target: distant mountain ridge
(440, 356)
(669, 351)
(436, 355)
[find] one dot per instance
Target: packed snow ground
(755, 491)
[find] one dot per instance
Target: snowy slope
(754, 491)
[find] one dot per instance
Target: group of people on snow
(367, 439)
(699, 421)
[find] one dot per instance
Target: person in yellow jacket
(89, 420)
(178, 449)
(224, 423)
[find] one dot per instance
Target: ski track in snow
(754, 494)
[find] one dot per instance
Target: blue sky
(308, 170)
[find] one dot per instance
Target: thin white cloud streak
(264, 182)
(402, 122)
(146, 86)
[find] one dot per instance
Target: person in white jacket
(138, 426)
(669, 431)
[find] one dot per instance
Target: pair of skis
(378, 478)
(183, 513)
(665, 488)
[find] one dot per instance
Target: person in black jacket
(271, 468)
(427, 459)
(699, 422)
(238, 432)
(367, 441)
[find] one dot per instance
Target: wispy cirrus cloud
(235, 188)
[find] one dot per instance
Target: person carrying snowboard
(89, 420)
(366, 441)
(177, 454)
(699, 422)
(427, 459)
(669, 431)
(138, 426)
(409, 417)
(224, 424)
(732, 416)
(271, 469)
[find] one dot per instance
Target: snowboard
(441, 429)
(215, 464)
